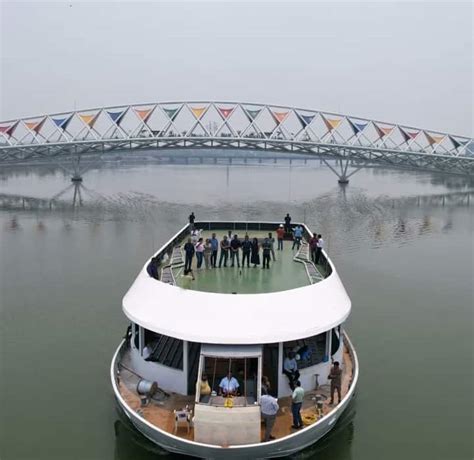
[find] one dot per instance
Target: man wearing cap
(280, 234)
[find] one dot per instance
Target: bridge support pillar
(76, 178)
(343, 180)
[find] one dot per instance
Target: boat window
(163, 349)
(309, 351)
(242, 383)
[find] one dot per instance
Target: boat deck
(159, 412)
(285, 272)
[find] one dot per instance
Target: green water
(405, 259)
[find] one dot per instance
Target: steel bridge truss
(354, 141)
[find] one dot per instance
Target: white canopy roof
(237, 319)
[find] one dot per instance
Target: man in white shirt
(290, 369)
(296, 403)
(319, 248)
(229, 385)
(269, 408)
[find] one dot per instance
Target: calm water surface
(402, 243)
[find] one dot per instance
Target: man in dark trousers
(246, 248)
(267, 250)
(191, 218)
(235, 245)
(225, 246)
(189, 254)
(287, 223)
(336, 381)
(319, 249)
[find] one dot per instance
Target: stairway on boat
(303, 256)
(167, 351)
(177, 261)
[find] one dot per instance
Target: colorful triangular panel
(143, 114)
(116, 116)
(432, 139)
(331, 123)
(171, 113)
(305, 119)
(252, 114)
(357, 127)
(62, 122)
(279, 116)
(198, 112)
(225, 112)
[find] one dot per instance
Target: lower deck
(160, 409)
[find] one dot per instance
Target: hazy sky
(399, 61)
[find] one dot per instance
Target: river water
(402, 243)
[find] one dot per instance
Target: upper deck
(286, 272)
(293, 283)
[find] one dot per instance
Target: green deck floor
(283, 274)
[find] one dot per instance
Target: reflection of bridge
(77, 190)
(354, 141)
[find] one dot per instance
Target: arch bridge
(354, 142)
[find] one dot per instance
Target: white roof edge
(263, 318)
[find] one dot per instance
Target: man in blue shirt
(214, 248)
(297, 235)
(229, 385)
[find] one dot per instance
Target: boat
(243, 320)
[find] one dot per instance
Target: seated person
(290, 369)
(205, 389)
(228, 385)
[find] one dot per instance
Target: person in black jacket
(189, 254)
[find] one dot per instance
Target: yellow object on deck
(229, 403)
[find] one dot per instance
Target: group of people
(232, 250)
(269, 404)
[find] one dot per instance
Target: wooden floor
(160, 412)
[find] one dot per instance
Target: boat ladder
(177, 259)
(303, 256)
(167, 275)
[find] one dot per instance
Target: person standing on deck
(296, 403)
(290, 369)
(199, 252)
(297, 235)
(272, 243)
(280, 235)
(255, 257)
(269, 407)
(287, 223)
(319, 249)
(192, 218)
(246, 249)
(225, 246)
(215, 247)
(188, 255)
(267, 248)
(207, 253)
(336, 381)
(313, 246)
(234, 251)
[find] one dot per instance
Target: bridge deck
(284, 273)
